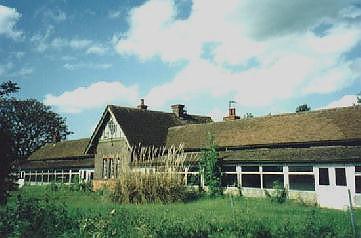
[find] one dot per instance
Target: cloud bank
(93, 96)
(8, 19)
(255, 53)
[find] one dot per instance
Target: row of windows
(58, 176)
(299, 177)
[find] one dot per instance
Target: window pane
(300, 168)
(340, 177)
(193, 179)
(51, 178)
(272, 169)
(302, 182)
(250, 168)
(229, 168)
(251, 180)
(358, 169)
(32, 178)
(323, 176)
(269, 180)
(358, 184)
(75, 178)
(229, 180)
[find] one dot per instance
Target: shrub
(32, 217)
(210, 166)
(139, 183)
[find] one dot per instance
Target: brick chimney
(178, 110)
(142, 106)
(231, 113)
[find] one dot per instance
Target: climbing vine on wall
(210, 167)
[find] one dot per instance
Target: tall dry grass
(153, 175)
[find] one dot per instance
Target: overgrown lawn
(94, 214)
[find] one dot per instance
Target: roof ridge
(156, 111)
(286, 114)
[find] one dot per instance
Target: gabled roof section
(144, 127)
(59, 150)
(323, 125)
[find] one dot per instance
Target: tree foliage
(25, 125)
(303, 108)
(210, 166)
(8, 88)
(6, 160)
(32, 124)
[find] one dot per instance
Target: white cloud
(95, 95)
(274, 47)
(45, 41)
(79, 43)
(345, 101)
(69, 66)
(96, 50)
(8, 19)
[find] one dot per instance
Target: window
(229, 176)
(251, 180)
(250, 168)
(229, 180)
(358, 179)
(301, 178)
(269, 180)
(251, 176)
(340, 177)
(193, 177)
(272, 175)
(323, 176)
(299, 168)
(302, 182)
(272, 169)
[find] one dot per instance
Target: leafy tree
(6, 160)
(32, 124)
(6, 146)
(7, 88)
(303, 108)
(210, 166)
(25, 125)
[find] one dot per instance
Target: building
(316, 155)
(122, 131)
(61, 162)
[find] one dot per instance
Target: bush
(33, 217)
(162, 183)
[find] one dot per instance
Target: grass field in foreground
(93, 214)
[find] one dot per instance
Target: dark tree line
(25, 125)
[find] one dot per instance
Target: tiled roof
(63, 149)
(323, 125)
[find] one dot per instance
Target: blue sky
(268, 56)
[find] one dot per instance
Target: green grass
(207, 217)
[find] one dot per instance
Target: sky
(268, 56)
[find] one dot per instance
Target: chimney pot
(231, 115)
(178, 110)
(142, 106)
